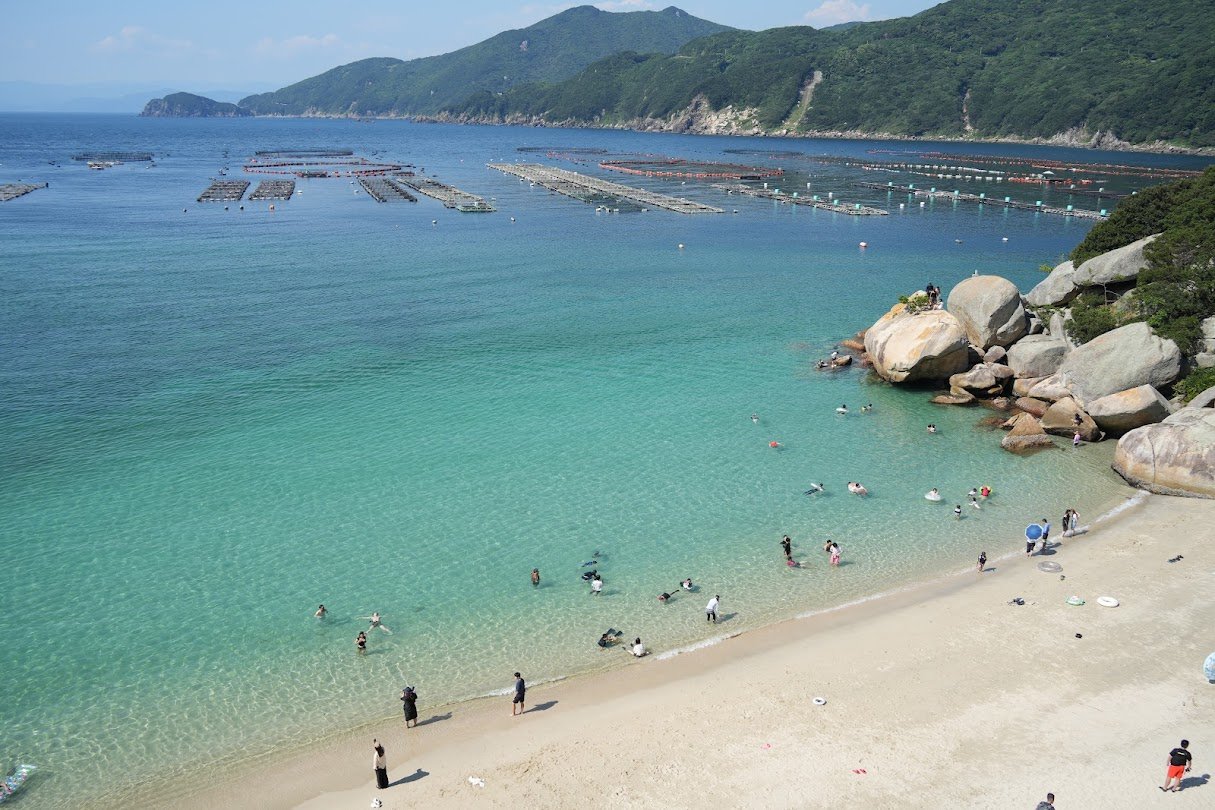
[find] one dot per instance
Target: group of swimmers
(982, 492)
(830, 547)
(842, 410)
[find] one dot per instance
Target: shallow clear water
(214, 420)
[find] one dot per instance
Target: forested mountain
(549, 51)
(188, 105)
(1140, 70)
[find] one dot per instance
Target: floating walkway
(591, 189)
(982, 199)
(836, 205)
(386, 189)
(11, 191)
(450, 196)
(273, 190)
(224, 191)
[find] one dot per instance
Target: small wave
(510, 690)
(699, 645)
(1130, 503)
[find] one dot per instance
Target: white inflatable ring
(930, 496)
(1107, 601)
(818, 701)
(1075, 601)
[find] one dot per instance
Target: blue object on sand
(1208, 667)
(1033, 531)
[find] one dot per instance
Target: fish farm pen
(224, 191)
(386, 189)
(594, 190)
(11, 191)
(316, 165)
(450, 196)
(983, 199)
(692, 169)
(303, 153)
(832, 203)
(113, 157)
(273, 190)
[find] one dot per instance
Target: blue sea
(215, 419)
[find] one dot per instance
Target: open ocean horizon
(215, 420)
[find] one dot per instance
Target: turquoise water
(215, 420)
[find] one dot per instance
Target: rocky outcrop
(1037, 355)
(1206, 354)
(1060, 419)
(924, 346)
(1026, 434)
(995, 354)
(1204, 400)
(1050, 388)
(1126, 410)
(1022, 386)
(989, 310)
(1057, 288)
(1033, 407)
(1175, 457)
(1127, 357)
(188, 105)
(1113, 267)
(980, 381)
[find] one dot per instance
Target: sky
(270, 43)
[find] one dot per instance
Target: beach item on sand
(375, 802)
(859, 771)
(1208, 667)
(14, 781)
(1048, 567)
(1107, 601)
(1016, 600)
(476, 781)
(1075, 600)
(1033, 532)
(765, 746)
(819, 701)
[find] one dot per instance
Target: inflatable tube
(818, 701)
(1107, 601)
(933, 496)
(1075, 601)
(1208, 667)
(1049, 567)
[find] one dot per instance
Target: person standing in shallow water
(535, 577)
(786, 543)
(379, 765)
(982, 561)
(409, 701)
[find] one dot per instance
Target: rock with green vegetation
(188, 105)
(1127, 357)
(552, 50)
(1116, 266)
(1057, 288)
(1174, 457)
(989, 309)
(1127, 410)
(1195, 383)
(917, 347)
(1204, 400)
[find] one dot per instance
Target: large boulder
(1113, 267)
(1204, 400)
(1058, 327)
(1057, 288)
(989, 309)
(1034, 407)
(1026, 434)
(907, 347)
(1037, 355)
(1022, 386)
(1127, 357)
(979, 381)
(1050, 388)
(1060, 419)
(1175, 457)
(1127, 410)
(996, 354)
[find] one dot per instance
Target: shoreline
(307, 777)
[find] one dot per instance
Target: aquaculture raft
(11, 191)
(982, 199)
(273, 190)
(224, 191)
(589, 189)
(776, 195)
(386, 189)
(450, 196)
(696, 170)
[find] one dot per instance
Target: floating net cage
(691, 169)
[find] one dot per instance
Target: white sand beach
(943, 695)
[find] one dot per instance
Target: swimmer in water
(374, 618)
(536, 577)
(360, 642)
(932, 428)
(842, 409)
(786, 543)
(974, 502)
(973, 492)
(957, 511)
(664, 597)
(814, 489)
(933, 495)
(984, 491)
(776, 445)
(320, 612)
(686, 584)
(597, 585)
(755, 418)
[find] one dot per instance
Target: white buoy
(434, 222)
(1004, 239)
(681, 245)
(864, 244)
(271, 206)
(512, 219)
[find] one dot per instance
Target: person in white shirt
(638, 648)
(597, 585)
(711, 609)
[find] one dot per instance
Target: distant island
(188, 105)
(1121, 74)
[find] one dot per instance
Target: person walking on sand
(711, 609)
(409, 702)
(982, 561)
(786, 543)
(1048, 803)
(535, 577)
(1180, 763)
(379, 764)
(516, 703)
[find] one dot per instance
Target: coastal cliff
(188, 105)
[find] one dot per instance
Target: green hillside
(1141, 69)
(188, 105)
(549, 51)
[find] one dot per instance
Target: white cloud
(291, 47)
(134, 38)
(832, 12)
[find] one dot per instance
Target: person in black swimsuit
(786, 543)
(360, 642)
